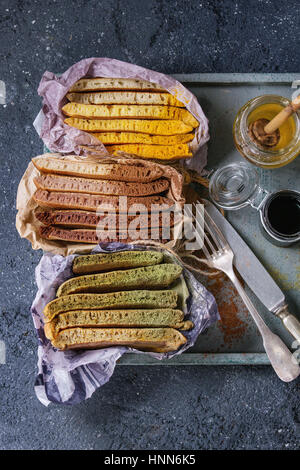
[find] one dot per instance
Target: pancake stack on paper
(118, 299)
(91, 201)
(133, 116)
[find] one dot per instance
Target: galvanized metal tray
(234, 339)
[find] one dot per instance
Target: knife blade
(254, 273)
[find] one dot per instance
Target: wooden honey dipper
(266, 133)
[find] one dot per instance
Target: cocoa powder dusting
(227, 298)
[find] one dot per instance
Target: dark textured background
(145, 407)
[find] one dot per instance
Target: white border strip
(2, 352)
(2, 92)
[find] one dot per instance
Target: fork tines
(213, 237)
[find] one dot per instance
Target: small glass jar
(235, 186)
(267, 106)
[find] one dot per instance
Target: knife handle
(291, 323)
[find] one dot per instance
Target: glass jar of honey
(288, 145)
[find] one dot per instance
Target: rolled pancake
(153, 318)
(145, 299)
(150, 277)
(118, 260)
(145, 339)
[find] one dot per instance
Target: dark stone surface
(145, 407)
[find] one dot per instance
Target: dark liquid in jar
(283, 213)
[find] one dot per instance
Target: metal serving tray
(221, 96)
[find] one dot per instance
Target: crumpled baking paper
(59, 137)
(69, 377)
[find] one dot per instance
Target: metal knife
(254, 274)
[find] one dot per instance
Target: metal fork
(220, 256)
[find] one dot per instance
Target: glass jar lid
(233, 186)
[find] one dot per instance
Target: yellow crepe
(111, 138)
(129, 111)
(155, 127)
(160, 152)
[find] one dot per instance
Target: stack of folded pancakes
(118, 299)
(76, 197)
(133, 116)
